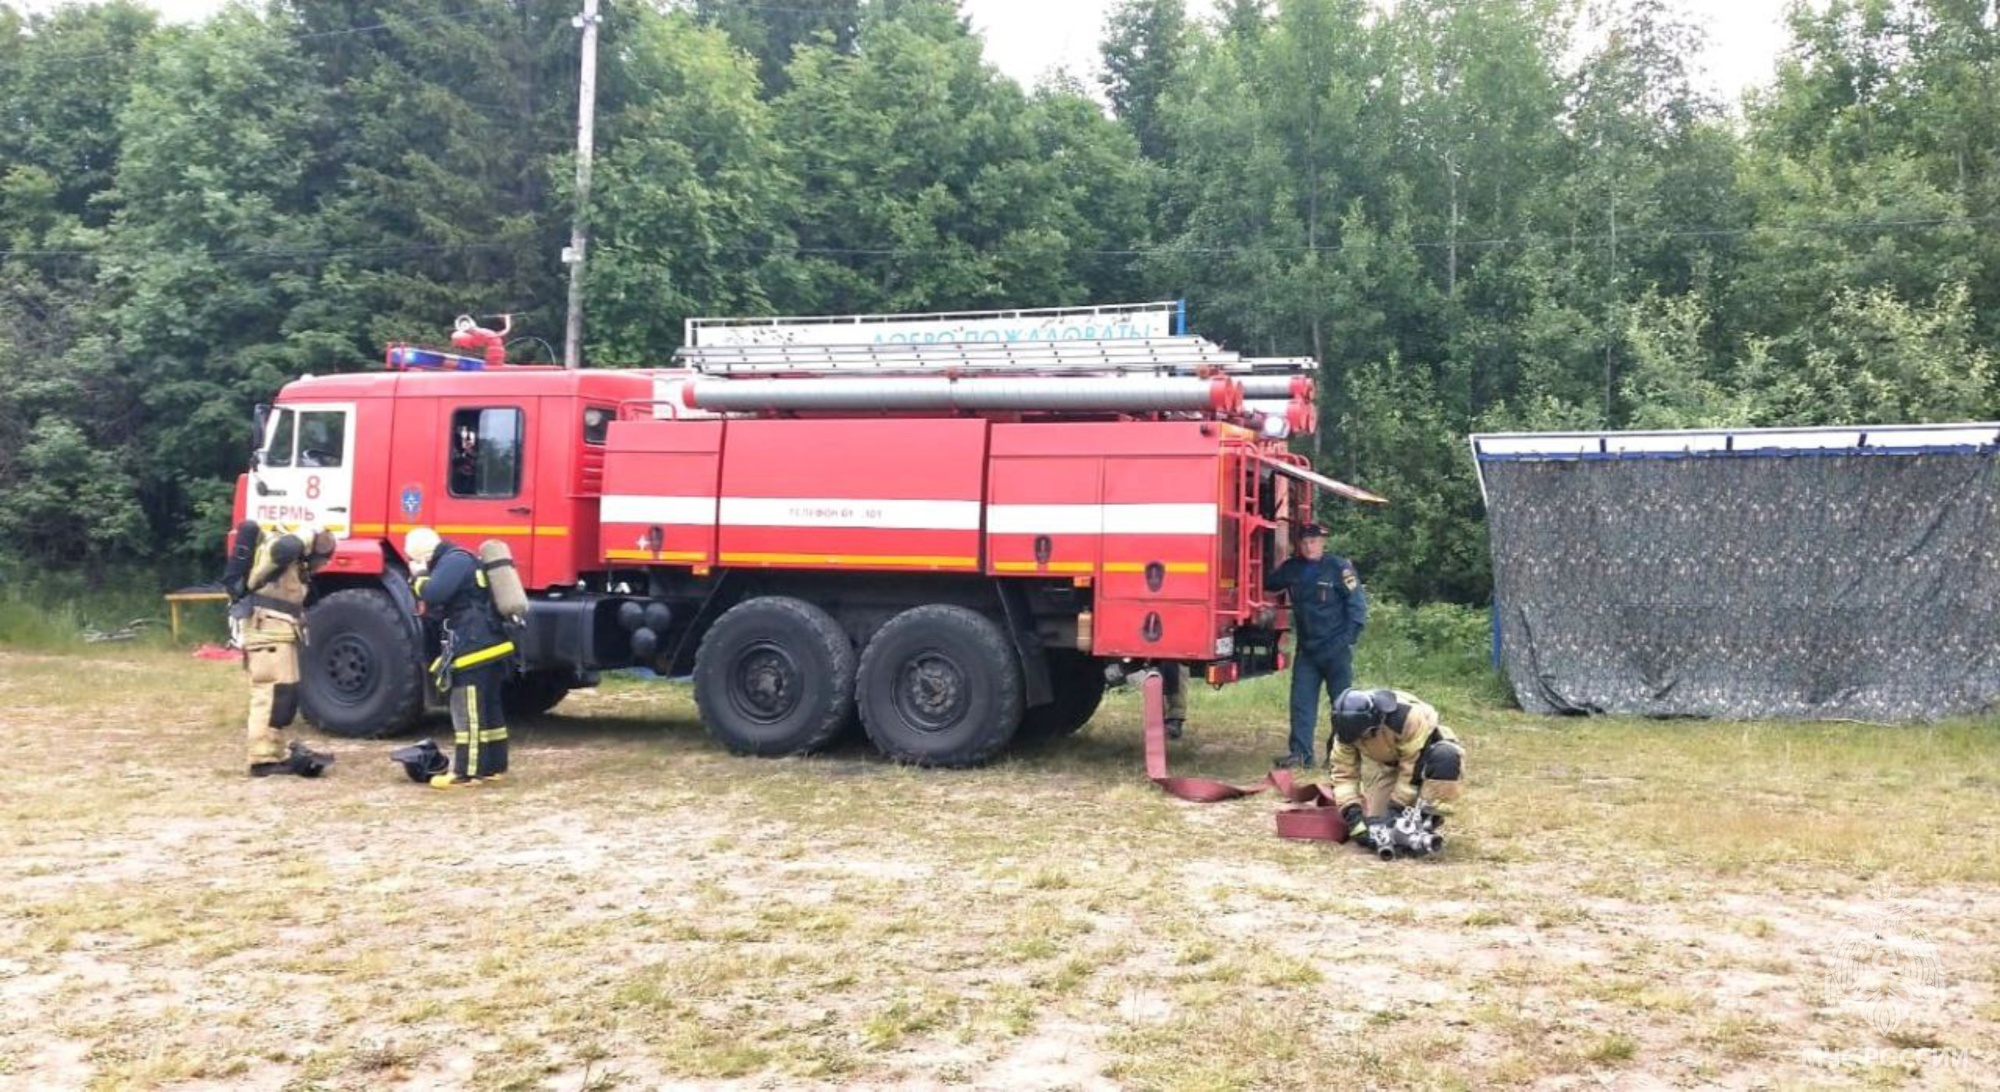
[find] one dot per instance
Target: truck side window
(279, 451)
(486, 452)
(596, 422)
(322, 438)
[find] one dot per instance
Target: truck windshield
(278, 450)
(322, 438)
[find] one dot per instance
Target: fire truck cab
(947, 543)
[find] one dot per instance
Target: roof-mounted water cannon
(466, 334)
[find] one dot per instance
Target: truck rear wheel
(358, 675)
(774, 676)
(1078, 682)
(940, 686)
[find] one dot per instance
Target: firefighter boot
(447, 781)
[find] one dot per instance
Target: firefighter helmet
(421, 760)
(1355, 713)
(419, 545)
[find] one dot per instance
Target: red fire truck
(943, 528)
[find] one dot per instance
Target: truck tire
(359, 674)
(534, 693)
(940, 686)
(774, 676)
(1078, 681)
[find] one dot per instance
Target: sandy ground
(640, 910)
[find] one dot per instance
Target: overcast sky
(1027, 38)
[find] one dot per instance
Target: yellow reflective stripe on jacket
(484, 655)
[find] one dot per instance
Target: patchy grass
(1692, 902)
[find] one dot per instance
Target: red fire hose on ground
(1311, 814)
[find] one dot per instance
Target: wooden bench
(190, 595)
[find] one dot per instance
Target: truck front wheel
(359, 674)
(775, 676)
(940, 686)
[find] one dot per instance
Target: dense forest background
(1473, 223)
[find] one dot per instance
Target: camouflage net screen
(1804, 585)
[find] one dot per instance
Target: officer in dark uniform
(1329, 610)
(474, 661)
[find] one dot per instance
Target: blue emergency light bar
(409, 356)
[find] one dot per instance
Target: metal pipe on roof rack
(1276, 386)
(1123, 394)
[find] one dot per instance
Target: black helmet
(421, 760)
(1355, 712)
(287, 550)
(305, 761)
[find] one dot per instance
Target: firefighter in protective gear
(1329, 610)
(475, 658)
(275, 592)
(1389, 753)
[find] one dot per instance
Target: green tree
(1878, 358)
(690, 197)
(1144, 44)
(1670, 382)
(932, 183)
(198, 269)
(436, 167)
(64, 76)
(71, 499)
(770, 34)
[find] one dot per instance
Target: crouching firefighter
(474, 659)
(1392, 764)
(274, 591)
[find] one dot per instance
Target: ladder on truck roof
(1160, 319)
(1115, 356)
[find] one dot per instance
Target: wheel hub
(350, 668)
(768, 684)
(931, 693)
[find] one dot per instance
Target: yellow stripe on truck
(479, 529)
(663, 555)
(1171, 566)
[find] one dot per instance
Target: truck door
(488, 465)
(305, 470)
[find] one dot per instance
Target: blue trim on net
(1754, 453)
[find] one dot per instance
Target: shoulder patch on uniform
(1348, 578)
